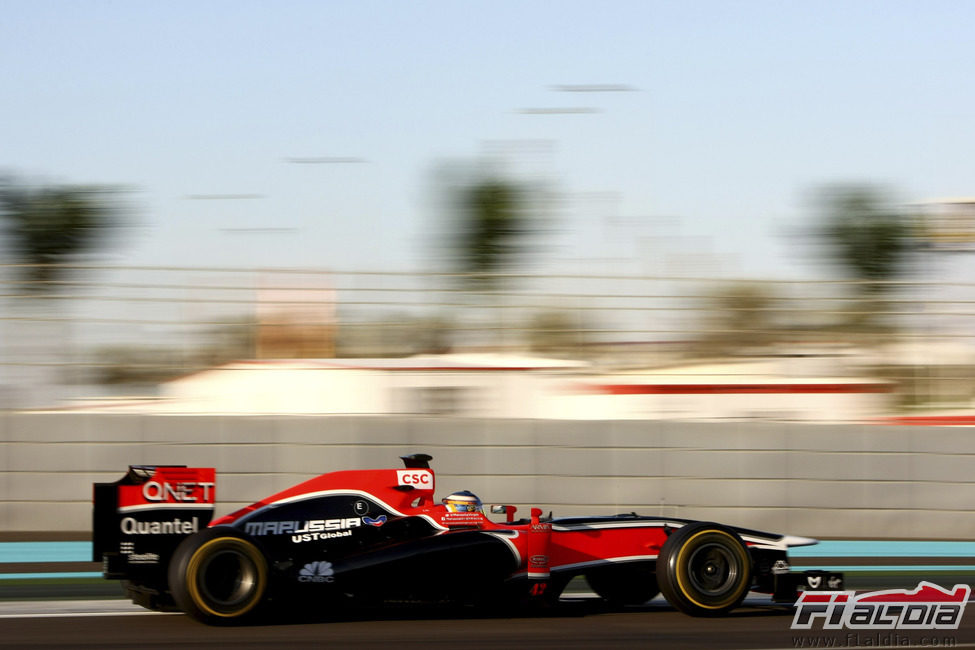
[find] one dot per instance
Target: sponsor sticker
(260, 528)
(128, 550)
(172, 487)
(421, 479)
(314, 537)
(312, 530)
(317, 572)
(175, 526)
(462, 519)
(927, 607)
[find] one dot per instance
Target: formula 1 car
(379, 535)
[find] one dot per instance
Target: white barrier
(839, 481)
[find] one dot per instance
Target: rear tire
(704, 569)
(218, 576)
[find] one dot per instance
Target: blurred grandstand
(532, 346)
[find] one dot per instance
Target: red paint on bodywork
(540, 547)
(384, 484)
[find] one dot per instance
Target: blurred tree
(866, 234)
(155, 363)
(493, 218)
(396, 335)
(44, 227)
(873, 241)
(738, 318)
(556, 332)
(491, 221)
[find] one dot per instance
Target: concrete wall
(819, 480)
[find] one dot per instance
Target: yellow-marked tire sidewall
(683, 559)
(199, 560)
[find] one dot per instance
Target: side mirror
(505, 510)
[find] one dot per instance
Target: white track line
(86, 614)
(54, 608)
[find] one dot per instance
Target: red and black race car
(376, 535)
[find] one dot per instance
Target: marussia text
(301, 527)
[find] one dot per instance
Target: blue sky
(740, 109)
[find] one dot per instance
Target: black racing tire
(704, 569)
(219, 577)
(622, 585)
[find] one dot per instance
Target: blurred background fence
(108, 336)
(841, 481)
(104, 330)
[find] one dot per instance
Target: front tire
(704, 569)
(218, 576)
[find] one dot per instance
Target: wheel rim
(713, 569)
(227, 579)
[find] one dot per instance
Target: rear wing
(139, 520)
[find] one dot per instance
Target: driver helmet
(465, 501)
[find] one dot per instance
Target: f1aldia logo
(928, 607)
(317, 572)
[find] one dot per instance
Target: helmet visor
(456, 505)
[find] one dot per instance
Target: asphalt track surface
(576, 623)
